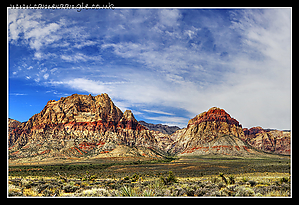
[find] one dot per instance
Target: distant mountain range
(86, 127)
(165, 129)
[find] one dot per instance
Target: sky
(166, 65)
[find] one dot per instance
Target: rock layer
(272, 141)
(78, 126)
(211, 132)
(85, 126)
(12, 124)
(214, 114)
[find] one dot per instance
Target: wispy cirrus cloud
(28, 29)
(158, 112)
(80, 57)
(83, 84)
(18, 94)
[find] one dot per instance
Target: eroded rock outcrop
(214, 114)
(272, 141)
(12, 124)
(77, 126)
(211, 132)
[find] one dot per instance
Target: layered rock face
(211, 132)
(214, 114)
(78, 125)
(216, 132)
(272, 141)
(85, 126)
(12, 124)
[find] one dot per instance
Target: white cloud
(37, 80)
(83, 84)
(77, 57)
(253, 83)
(17, 94)
(27, 26)
(53, 70)
(158, 112)
(169, 17)
(46, 76)
(84, 43)
(33, 29)
(42, 35)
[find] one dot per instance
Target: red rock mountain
(272, 141)
(80, 126)
(92, 127)
(211, 132)
(12, 124)
(216, 132)
(214, 114)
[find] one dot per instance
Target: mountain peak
(129, 115)
(78, 108)
(214, 114)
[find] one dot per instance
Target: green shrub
(14, 190)
(214, 180)
(95, 192)
(169, 179)
(244, 179)
(231, 179)
(126, 178)
(284, 180)
(69, 188)
(148, 192)
(127, 191)
(244, 191)
(88, 177)
(223, 178)
(251, 182)
(135, 177)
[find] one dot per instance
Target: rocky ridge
(80, 126)
(12, 124)
(165, 129)
(267, 140)
(211, 132)
(92, 127)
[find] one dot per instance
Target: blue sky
(166, 65)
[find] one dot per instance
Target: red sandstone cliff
(12, 124)
(78, 125)
(216, 132)
(211, 132)
(272, 141)
(214, 114)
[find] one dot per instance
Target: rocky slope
(211, 132)
(12, 124)
(165, 129)
(80, 126)
(272, 141)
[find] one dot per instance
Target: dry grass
(266, 185)
(195, 176)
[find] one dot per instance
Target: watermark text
(78, 7)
